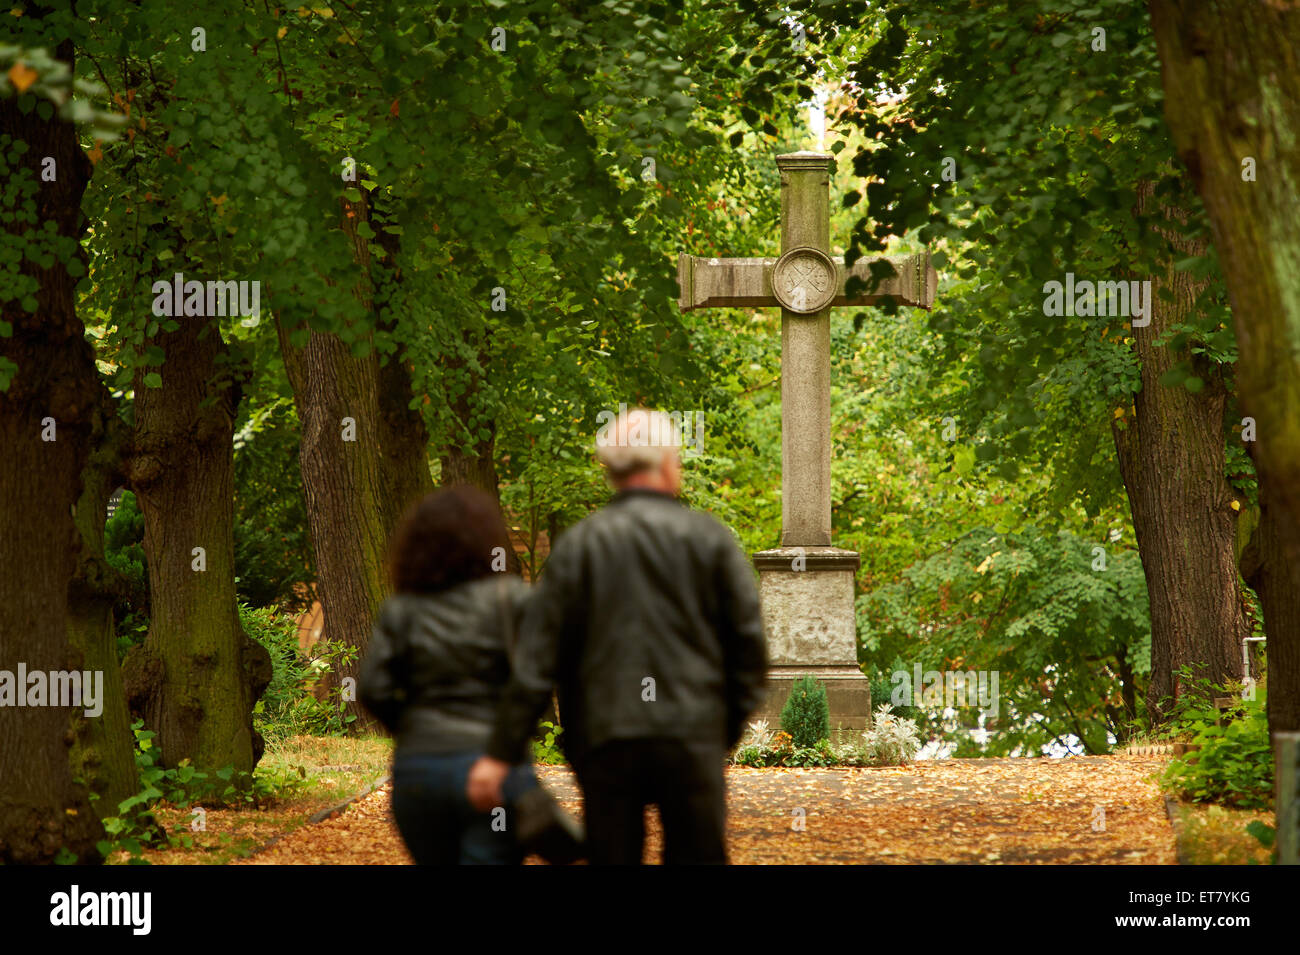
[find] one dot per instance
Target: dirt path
(950, 811)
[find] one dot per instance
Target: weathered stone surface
(808, 613)
(803, 280)
(747, 283)
(807, 596)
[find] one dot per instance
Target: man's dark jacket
(646, 622)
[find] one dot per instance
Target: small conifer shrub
(806, 715)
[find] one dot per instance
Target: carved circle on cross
(803, 280)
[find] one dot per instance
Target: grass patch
(306, 773)
(1216, 835)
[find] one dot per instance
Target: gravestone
(807, 585)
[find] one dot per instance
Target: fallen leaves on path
(1093, 810)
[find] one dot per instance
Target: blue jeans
(437, 822)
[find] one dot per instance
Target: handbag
(542, 826)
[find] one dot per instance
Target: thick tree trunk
(197, 676)
(104, 752)
(1172, 461)
(364, 456)
(347, 487)
(1275, 578)
(1232, 82)
(339, 416)
(52, 396)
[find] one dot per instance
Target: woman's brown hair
(447, 538)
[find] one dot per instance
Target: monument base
(807, 596)
(848, 694)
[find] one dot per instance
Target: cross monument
(806, 585)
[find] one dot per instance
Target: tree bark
(337, 396)
(1231, 82)
(1172, 461)
(358, 479)
(42, 809)
(197, 676)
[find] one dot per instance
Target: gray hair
(635, 440)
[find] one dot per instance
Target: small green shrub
(290, 670)
(883, 686)
(308, 715)
(546, 749)
(820, 754)
(1233, 765)
(806, 715)
(289, 706)
(124, 542)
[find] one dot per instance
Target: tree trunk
(358, 478)
(197, 676)
(1273, 576)
(403, 444)
(344, 481)
(54, 390)
(104, 752)
(1172, 461)
(339, 416)
(1231, 82)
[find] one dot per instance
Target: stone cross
(807, 585)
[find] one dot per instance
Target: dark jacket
(644, 590)
(437, 664)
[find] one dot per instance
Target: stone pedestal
(807, 596)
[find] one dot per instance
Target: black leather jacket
(437, 664)
(646, 620)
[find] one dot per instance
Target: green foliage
(124, 552)
(47, 78)
(806, 715)
(883, 686)
(890, 741)
(273, 556)
(134, 828)
(294, 703)
(290, 670)
(124, 541)
(1030, 606)
(546, 746)
(1265, 834)
(820, 754)
(1231, 765)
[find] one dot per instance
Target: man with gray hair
(646, 622)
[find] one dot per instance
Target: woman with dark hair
(437, 663)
